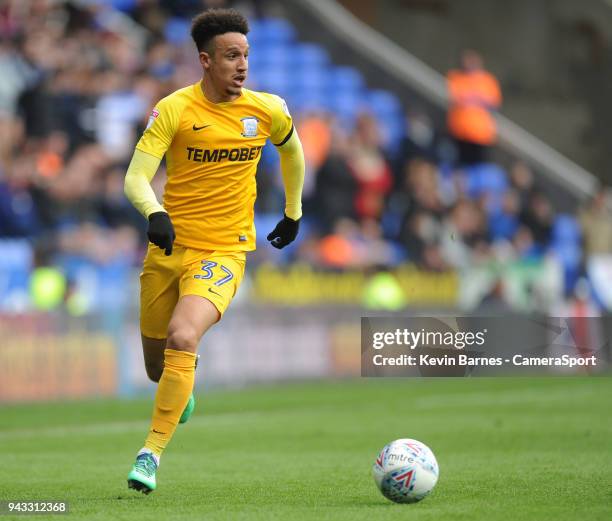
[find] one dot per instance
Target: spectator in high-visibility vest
(474, 94)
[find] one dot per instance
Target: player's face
(227, 65)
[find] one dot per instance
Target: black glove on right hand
(161, 232)
(284, 233)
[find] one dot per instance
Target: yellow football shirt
(212, 151)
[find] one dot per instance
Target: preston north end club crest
(249, 126)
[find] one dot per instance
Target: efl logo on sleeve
(152, 118)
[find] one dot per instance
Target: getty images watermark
(462, 346)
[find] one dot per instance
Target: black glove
(161, 232)
(284, 233)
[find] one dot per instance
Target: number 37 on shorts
(215, 277)
(207, 268)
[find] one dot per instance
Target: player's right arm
(152, 146)
(138, 190)
(137, 186)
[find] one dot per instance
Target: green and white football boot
(142, 475)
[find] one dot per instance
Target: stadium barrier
(256, 344)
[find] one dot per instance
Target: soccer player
(212, 134)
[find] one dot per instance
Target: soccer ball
(405, 471)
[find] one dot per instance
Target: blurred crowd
(79, 78)
(375, 208)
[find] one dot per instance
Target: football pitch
(508, 448)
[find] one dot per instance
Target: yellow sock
(173, 391)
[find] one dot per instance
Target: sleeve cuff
(150, 152)
(290, 133)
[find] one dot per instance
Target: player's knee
(182, 338)
(154, 371)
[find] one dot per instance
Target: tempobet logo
(222, 154)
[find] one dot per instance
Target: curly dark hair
(213, 22)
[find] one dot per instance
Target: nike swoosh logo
(214, 292)
(199, 128)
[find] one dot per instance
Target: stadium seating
(303, 73)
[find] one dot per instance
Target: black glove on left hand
(161, 232)
(284, 233)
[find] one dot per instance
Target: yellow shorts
(214, 275)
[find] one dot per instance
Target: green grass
(509, 449)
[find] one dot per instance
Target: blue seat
(570, 257)
(256, 34)
(275, 81)
(502, 226)
(177, 31)
(275, 30)
(16, 263)
(347, 79)
(394, 131)
(312, 78)
(308, 101)
(126, 6)
(473, 179)
(273, 56)
(486, 178)
(310, 54)
(383, 103)
(256, 62)
(566, 230)
(346, 104)
(391, 223)
(494, 179)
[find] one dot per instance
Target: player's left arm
(292, 170)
